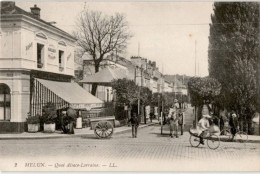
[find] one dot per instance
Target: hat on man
(207, 116)
(234, 115)
(175, 100)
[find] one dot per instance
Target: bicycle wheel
(213, 142)
(241, 137)
(194, 141)
(227, 134)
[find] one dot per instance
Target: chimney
(35, 11)
(7, 7)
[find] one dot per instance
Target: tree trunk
(95, 85)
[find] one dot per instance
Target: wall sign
(68, 57)
(29, 46)
(51, 52)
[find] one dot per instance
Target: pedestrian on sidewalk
(180, 121)
(151, 116)
(233, 123)
(64, 122)
(135, 124)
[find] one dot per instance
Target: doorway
(5, 103)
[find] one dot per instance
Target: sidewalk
(59, 134)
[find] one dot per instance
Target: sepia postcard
(129, 86)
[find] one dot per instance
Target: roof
(105, 76)
(178, 83)
(167, 80)
(72, 93)
(17, 10)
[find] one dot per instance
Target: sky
(165, 31)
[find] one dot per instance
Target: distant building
(179, 87)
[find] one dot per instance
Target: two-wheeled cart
(103, 127)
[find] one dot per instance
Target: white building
(33, 53)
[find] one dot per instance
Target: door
(5, 102)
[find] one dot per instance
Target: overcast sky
(166, 31)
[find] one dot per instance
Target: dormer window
(40, 55)
(61, 60)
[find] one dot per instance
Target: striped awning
(73, 94)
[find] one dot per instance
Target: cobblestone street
(150, 146)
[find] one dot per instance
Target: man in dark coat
(233, 123)
(180, 121)
(151, 116)
(135, 123)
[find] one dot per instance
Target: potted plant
(33, 123)
(49, 116)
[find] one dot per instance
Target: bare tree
(99, 34)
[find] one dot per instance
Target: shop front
(63, 95)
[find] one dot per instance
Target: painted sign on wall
(28, 46)
(51, 52)
(68, 57)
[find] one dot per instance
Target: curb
(129, 130)
(67, 135)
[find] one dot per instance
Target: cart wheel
(227, 134)
(103, 129)
(213, 142)
(194, 141)
(241, 137)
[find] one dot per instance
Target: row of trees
(128, 93)
(234, 56)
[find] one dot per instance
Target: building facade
(29, 48)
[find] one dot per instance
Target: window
(61, 60)
(40, 54)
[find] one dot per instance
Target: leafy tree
(145, 96)
(126, 91)
(203, 90)
(234, 54)
(98, 35)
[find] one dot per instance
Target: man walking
(135, 123)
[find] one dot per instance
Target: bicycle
(213, 141)
(240, 136)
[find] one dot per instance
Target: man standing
(173, 123)
(233, 123)
(135, 123)
(151, 116)
(181, 121)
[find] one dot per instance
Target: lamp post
(158, 112)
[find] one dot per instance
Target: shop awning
(105, 76)
(73, 94)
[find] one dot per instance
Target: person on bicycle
(233, 123)
(203, 125)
